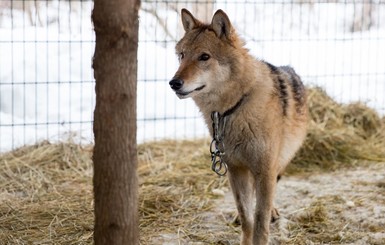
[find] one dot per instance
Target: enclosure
(333, 192)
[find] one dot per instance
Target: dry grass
(46, 192)
(328, 220)
(339, 135)
(176, 188)
(46, 189)
(316, 223)
(46, 195)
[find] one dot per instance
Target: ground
(46, 197)
(342, 207)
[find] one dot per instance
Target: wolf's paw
(236, 221)
(274, 215)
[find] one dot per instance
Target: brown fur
(263, 133)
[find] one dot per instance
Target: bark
(115, 160)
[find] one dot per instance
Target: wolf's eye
(204, 57)
(181, 56)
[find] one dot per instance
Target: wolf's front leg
(242, 185)
(265, 188)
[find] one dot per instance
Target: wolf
(255, 111)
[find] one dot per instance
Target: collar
(219, 121)
(234, 108)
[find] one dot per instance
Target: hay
(314, 223)
(46, 192)
(46, 189)
(317, 223)
(176, 187)
(46, 196)
(339, 135)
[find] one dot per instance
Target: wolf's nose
(176, 84)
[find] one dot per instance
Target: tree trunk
(115, 161)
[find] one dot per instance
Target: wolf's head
(206, 54)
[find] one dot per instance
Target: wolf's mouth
(189, 92)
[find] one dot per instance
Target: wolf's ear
(188, 20)
(221, 24)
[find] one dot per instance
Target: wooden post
(115, 160)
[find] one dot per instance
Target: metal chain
(217, 146)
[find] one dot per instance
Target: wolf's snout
(176, 84)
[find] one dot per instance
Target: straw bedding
(339, 135)
(46, 189)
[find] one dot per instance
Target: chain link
(217, 146)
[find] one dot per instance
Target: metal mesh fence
(46, 48)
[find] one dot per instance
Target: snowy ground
(46, 79)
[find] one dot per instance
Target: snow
(46, 78)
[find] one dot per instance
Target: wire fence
(46, 49)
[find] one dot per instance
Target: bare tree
(115, 161)
(363, 16)
(203, 11)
